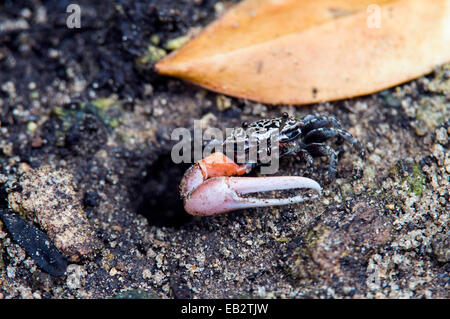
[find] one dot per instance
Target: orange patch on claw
(217, 164)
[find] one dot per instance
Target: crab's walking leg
(316, 121)
(213, 195)
(319, 149)
(324, 133)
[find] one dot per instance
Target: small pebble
(36, 142)
(31, 127)
(441, 136)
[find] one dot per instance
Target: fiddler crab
(210, 187)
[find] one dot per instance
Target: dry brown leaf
(303, 51)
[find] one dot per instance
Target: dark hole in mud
(156, 195)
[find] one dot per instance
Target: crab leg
(205, 195)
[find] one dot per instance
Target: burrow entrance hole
(156, 195)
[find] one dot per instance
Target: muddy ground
(86, 102)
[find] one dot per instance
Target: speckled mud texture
(85, 129)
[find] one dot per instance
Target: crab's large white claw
(222, 194)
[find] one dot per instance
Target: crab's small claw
(204, 195)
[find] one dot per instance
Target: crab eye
(285, 115)
(244, 124)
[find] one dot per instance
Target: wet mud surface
(84, 105)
